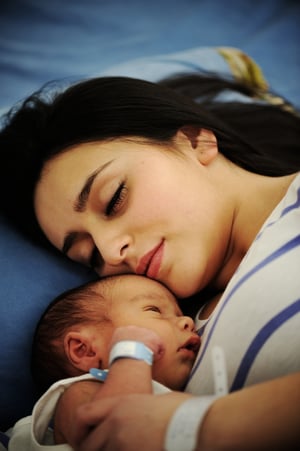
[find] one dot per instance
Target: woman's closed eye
(117, 200)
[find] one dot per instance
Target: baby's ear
(80, 351)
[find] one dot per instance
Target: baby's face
(143, 302)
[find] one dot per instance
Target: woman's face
(125, 206)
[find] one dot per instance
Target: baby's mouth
(192, 344)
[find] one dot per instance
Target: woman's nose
(113, 248)
(186, 323)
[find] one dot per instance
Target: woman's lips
(150, 263)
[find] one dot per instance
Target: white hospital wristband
(131, 349)
(182, 432)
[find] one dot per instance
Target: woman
(133, 177)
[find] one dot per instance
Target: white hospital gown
(257, 320)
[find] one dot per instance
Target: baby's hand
(146, 336)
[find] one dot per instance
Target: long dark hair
(259, 137)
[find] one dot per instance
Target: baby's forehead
(147, 295)
(136, 288)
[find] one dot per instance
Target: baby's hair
(49, 362)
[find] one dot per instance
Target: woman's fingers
(125, 422)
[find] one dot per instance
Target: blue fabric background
(42, 40)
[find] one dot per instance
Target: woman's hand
(263, 417)
(125, 423)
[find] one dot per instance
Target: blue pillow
(31, 276)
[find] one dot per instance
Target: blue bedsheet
(42, 40)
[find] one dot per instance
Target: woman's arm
(77, 394)
(264, 417)
(125, 376)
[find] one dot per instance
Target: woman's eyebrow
(80, 204)
(69, 239)
(82, 198)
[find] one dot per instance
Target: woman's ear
(81, 351)
(202, 140)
